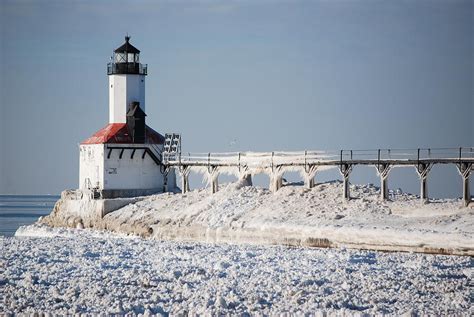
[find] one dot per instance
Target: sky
(239, 76)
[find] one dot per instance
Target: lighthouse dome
(126, 60)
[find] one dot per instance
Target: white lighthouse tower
(124, 158)
(126, 81)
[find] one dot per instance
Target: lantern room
(126, 60)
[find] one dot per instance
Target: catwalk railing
(301, 158)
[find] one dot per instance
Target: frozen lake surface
(71, 270)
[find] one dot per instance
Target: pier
(245, 164)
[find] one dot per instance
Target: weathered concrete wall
(77, 209)
(127, 193)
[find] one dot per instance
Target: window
(120, 58)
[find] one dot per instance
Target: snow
(267, 268)
(299, 216)
(68, 271)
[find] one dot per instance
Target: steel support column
(423, 170)
(215, 185)
(466, 192)
(345, 170)
(246, 179)
(276, 182)
(464, 170)
(383, 188)
(213, 177)
(310, 173)
(184, 184)
(383, 170)
(184, 173)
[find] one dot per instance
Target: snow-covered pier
(245, 164)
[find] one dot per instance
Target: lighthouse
(124, 158)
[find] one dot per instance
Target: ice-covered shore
(69, 271)
(296, 216)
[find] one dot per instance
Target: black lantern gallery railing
(127, 68)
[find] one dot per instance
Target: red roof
(118, 133)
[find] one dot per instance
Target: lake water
(19, 210)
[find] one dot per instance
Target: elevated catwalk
(245, 164)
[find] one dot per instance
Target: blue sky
(271, 75)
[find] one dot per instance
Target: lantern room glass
(126, 58)
(120, 58)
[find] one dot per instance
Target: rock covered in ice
(293, 215)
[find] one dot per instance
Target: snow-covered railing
(253, 159)
(409, 154)
(266, 159)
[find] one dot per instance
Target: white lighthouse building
(123, 159)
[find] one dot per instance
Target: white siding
(128, 173)
(96, 170)
(91, 165)
(123, 89)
